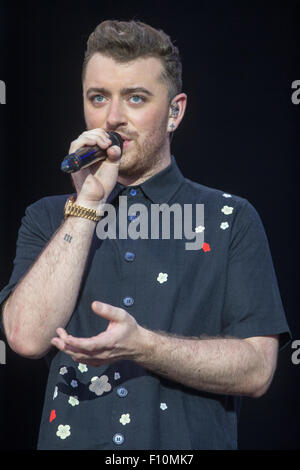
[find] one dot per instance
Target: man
(150, 345)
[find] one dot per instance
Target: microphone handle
(88, 155)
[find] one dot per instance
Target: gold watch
(79, 211)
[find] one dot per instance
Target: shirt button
(128, 301)
(129, 256)
(122, 392)
(118, 438)
(133, 217)
(132, 192)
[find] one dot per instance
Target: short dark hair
(125, 41)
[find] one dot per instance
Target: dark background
(240, 134)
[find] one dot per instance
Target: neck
(135, 181)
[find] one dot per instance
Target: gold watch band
(79, 211)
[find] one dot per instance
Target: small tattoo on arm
(68, 238)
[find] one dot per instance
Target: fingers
(94, 183)
(78, 346)
(59, 341)
(102, 139)
(94, 348)
(89, 138)
(114, 154)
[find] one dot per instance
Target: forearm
(45, 298)
(217, 365)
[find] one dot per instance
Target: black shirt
(227, 287)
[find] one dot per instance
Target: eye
(136, 99)
(97, 99)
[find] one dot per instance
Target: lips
(124, 137)
(126, 142)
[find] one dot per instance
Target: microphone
(85, 156)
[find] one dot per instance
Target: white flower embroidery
(227, 195)
(162, 277)
(163, 406)
(224, 225)
(63, 431)
(100, 385)
(199, 229)
(117, 376)
(125, 419)
(74, 383)
(82, 367)
(73, 401)
(227, 210)
(63, 370)
(55, 392)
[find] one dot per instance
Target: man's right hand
(94, 183)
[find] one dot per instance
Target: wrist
(76, 208)
(146, 346)
(93, 205)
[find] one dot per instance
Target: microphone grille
(116, 139)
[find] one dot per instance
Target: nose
(115, 115)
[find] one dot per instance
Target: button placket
(118, 438)
(129, 256)
(122, 392)
(133, 217)
(129, 250)
(133, 193)
(128, 301)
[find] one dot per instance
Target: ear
(176, 112)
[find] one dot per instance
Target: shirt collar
(160, 187)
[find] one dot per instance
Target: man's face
(131, 99)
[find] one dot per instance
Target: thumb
(114, 154)
(107, 311)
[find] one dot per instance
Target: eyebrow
(124, 91)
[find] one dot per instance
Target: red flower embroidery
(206, 247)
(52, 416)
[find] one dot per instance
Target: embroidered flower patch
(82, 367)
(125, 419)
(63, 431)
(55, 392)
(63, 370)
(224, 225)
(73, 401)
(227, 210)
(206, 247)
(227, 195)
(163, 406)
(74, 383)
(52, 416)
(199, 229)
(162, 277)
(100, 385)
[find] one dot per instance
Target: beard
(145, 155)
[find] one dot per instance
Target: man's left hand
(121, 340)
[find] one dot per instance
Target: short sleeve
(34, 233)
(253, 305)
